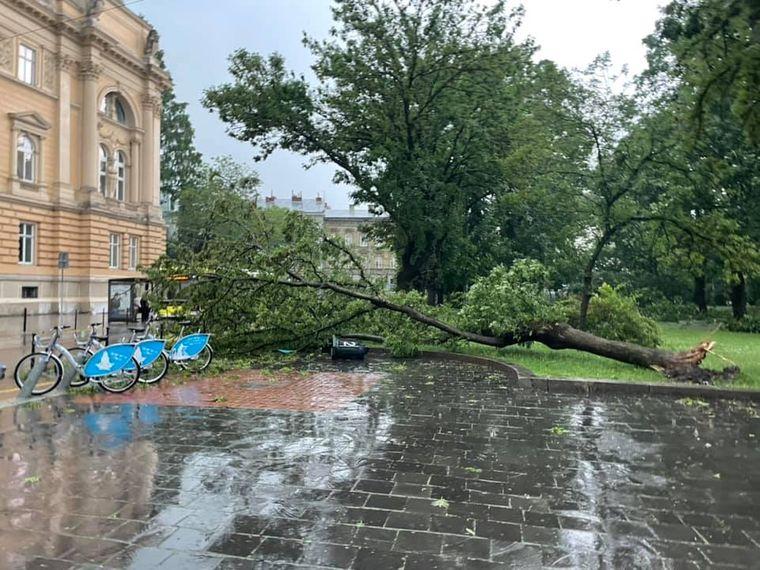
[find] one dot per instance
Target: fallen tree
(294, 282)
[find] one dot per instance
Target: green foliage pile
(509, 300)
(615, 316)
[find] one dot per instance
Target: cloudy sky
(198, 36)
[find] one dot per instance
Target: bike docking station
(115, 368)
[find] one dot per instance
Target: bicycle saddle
(136, 328)
(185, 323)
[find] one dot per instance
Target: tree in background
(713, 47)
(413, 104)
(704, 58)
(181, 163)
(216, 205)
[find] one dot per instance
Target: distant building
(378, 261)
(80, 121)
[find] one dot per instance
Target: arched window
(121, 175)
(26, 158)
(114, 107)
(103, 170)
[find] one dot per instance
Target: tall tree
(713, 46)
(413, 104)
(181, 164)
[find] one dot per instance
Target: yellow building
(378, 261)
(80, 120)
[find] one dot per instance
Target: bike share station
(116, 367)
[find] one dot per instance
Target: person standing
(144, 309)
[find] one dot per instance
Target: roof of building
(316, 206)
(306, 205)
(353, 214)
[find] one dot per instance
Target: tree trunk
(408, 273)
(588, 278)
(682, 365)
(700, 293)
(562, 336)
(739, 297)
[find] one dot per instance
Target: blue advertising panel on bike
(146, 353)
(189, 346)
(109, 360)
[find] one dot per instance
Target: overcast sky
(199, 35)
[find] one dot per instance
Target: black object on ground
(347, 349)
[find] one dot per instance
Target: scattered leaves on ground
(441, 503)
(693, 403)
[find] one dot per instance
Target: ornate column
(89, 72)
(151, 157)
(133, 193)
(65, 63)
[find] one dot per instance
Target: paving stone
(382, 470)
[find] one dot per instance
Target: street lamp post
(63, 263)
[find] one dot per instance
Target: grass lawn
(741, 348)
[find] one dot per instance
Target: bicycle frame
(91, 369)
(186, 347)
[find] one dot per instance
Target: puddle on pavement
(429, 462)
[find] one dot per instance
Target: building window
(121, 175)
(103, 170)
(26, 239)
(378, 263)
(363, 241)
(114, 251)
(26, 158)
(27, 64)
(30, 292)
(134, 252)
(114, 108)
(349, 239)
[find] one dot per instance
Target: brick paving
(253, 389)
(439, 465)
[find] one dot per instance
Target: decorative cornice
(88, 33)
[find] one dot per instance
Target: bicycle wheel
(155, 370)
(50, 372)
(80, 355)
(200, 362)
(121, 381)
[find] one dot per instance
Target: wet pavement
(431, 465)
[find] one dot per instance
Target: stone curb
(524, 378)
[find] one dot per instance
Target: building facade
(80, 120)
(379, 261)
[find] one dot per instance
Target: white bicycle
(113, 367)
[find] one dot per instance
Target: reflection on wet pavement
(439, 465)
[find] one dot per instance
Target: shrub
(670, 311)
(615, 316)
(749, 323)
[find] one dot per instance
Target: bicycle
(106, 367)
(149, 354)
(190, 352)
